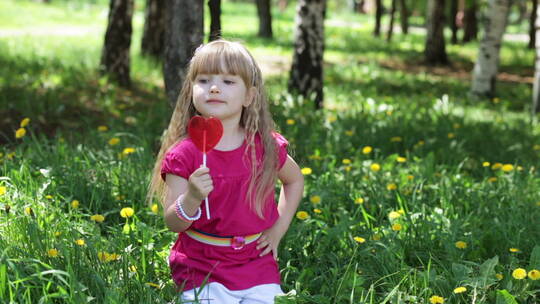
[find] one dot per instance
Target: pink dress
(192, 261)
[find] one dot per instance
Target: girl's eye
(228, 81)
(202, 80)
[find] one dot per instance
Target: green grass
(377, 94)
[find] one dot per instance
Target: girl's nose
(214, 89)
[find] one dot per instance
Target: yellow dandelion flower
(102, 128)
(97, 218)
(391, 187)
(349, 132)
(114, 141)
(375, 167)
(331, 118)
(536, 147)
(396, 227)
(48, 196)
(302, 215)
(103, 256)
(499, 276)
(113, 257)
(28, 211)
(25, 122)
(519, 273)
(315, 199)
(346, 161)
(486, 164)
(492, 179)
(519, 168)
(359, 239)
(318, 211)
(401, 159)
(57, 233)
(393, 215)
(74, 204)
(367, 149)
(359, 200)
(53, 253)
(155, 208)
(461, 245)
(3, 190)
(306, 171)
(290, 122)
(127, 212)
(496, 166)
(451, 135)
(514, 250)
(21, 132)
(460, 289)
(534, 274)
(348, 168)
(128, 151)
(80, 242)
(456, 126)
(436, 300)
(507, 167)
(410, 177)
(538, 204)
(10, 156)
(496, 100)
(396, 139)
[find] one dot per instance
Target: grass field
(413, 188)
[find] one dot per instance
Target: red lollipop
(205, 134)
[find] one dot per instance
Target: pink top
(191, 261)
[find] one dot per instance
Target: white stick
(206, 198)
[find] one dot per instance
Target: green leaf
(504, 297)
(535, 258)
(461, 272)
(126, 228)
(487, 271)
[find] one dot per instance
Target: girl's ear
(250, 96)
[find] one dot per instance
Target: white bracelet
(182, 214)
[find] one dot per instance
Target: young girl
(230, 257)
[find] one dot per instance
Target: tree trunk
(378, 16)
(183, 34)
(470, 22)
(536, 84)
(115, 54)
(435, 49)
(306, 76)
(391, 26)
(487, 63)
(404, 17)
(153, 38)
(265, 18)
(215, 19)
(453, 23)
(532, 20)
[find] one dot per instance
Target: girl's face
(220, 95)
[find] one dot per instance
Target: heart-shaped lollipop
(205, 134)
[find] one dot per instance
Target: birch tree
(487, 62)
(536, 84)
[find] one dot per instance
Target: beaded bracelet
(182, 214)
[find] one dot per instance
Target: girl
(226, 259)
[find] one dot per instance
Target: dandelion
(3, 190)
(346, 161)
(80, 242)
(48, 196)
(534, 274)
(486, 164)
(102, 128)
(359, 200)
(133, 268)
(456, 126)
(401, 159)
(315, 199)
(410, 177)
(391, 187)
(348, 168)
(114, 257)
(461, 245)
(103, 256)
(155, 208)
(74, 204)
(10, 156)
(349, 132)
(127, 212)
(290, 122)
(25, 122)
(302, 215)
(451, 135)
(331, 118)
(57, 233)
(396, 227)
(514, 250)
(97, 218)
(507, 167)
(359, 239)
(536, 147)
(21, 132)
(460, 289)
(496, 166)
(499, 276)
(114, 141)
(53, 253)
(306, 171)
(367, 149)
(28, 211)
(396, 139)
(519, 273)
(375, 167)
(436, 300)
(393, 215)
(495, 100)
(128, 151)
(492, 179)
(318, 211)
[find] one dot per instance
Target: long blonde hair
(225, 57)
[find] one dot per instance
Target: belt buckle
(238, 242)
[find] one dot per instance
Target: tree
(215, 19)
(265, 18)
(115, 53)
(183, 34)
(470, 22)
(153, 38)
(306, 76)
(378, 16)
(453, 23)
(536, 84)
(532, 29)
(435, 48)
(391, 26)
(404, 16)
(487, 63)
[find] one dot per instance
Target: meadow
(415, 192)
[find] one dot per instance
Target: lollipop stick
(204, 164)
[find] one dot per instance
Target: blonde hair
(225, 57)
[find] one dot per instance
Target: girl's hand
(270, 239)
(200, 183)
